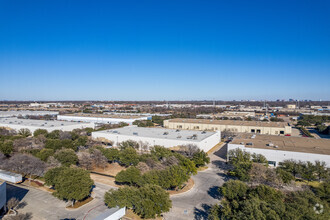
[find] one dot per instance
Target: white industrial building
(7, 114)
(3, 195)
(112, 214)
(101, 119)
(279, 148)
(32, 125)
(160, 136)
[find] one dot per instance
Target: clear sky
(164, 49)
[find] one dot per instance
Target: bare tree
(170, 161)
(99, 159)
(260, 174)
(12, 203)
(26, 164)
(188, 150)
(65, 135)
(85, 160)
(52, 162)
(143, 167)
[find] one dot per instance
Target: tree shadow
(221, 164)
(15, 192)
(202, 213)
(222, 152)
(214, 192)
(21, 205)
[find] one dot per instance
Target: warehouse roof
(160, 133)
(230, 122)
(35, 123)
(104, 116)
(296, 144)
(24, 113)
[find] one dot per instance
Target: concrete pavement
(43, 205)
(195, 203)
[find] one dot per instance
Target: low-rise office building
(102, 119)
(160, 136)
(32, 125)
(278, 148)
(258, 127)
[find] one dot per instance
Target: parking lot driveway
(195, 203)
(43, 205)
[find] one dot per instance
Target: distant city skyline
(164, 50)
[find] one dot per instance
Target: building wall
(280, 155)
(233, 128)
(99, 119)
(117, 215)
(2, 195)
(205, 144)
(49, 129)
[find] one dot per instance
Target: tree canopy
(147, 201)
(70, 183)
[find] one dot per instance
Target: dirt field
(105, 180)
(111, 169)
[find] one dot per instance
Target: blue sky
(164, 50)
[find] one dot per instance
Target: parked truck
(10, 177)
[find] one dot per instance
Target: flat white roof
(36, 123)
(160, 133)
(24, 113)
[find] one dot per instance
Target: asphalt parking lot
(43, 205)
(195, 203)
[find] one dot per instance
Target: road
(43, 205)
(195, 203)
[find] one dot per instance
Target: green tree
(238, 156)
(53, 144)
(292, 167)
(39, 132)
(6, 147)
(308, 171)
(57, 144)
(24, 132)
(321, 170)
(201, 158)
(44, 154)
(81, 141)
(54, 134)
(323, 191)
(161, 152)
(66, 157)
(147, 201)
(188, 164)
(110, 153)
(129, 144)
(128, 157)
(259, 158)
(72, 184)
(129, 176)
(285, 176)
(143, 123)
(52, 174)
(234, 190)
